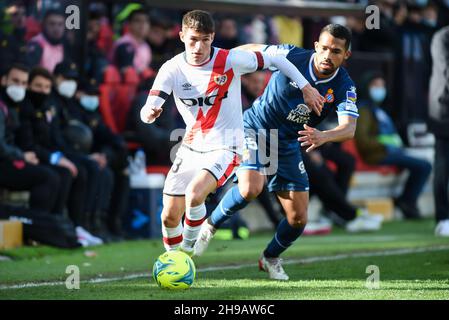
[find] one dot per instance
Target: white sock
(192, 225)
(172, 237)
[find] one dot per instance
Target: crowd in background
(56, 142)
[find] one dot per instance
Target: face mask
(421, 3)
(16, 93)
(430, 23)
(90, 103)
(37, 98)
(378, 94)
(67, 88)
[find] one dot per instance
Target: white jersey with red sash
(208, 96)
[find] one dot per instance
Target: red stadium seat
(116, 96)
(126, 92)
(350, 147)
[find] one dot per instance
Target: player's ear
(181, 36)
(212, 36)
(348, 54)
(316, 45)
(3, 81)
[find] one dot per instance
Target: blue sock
(285, 235)
(231, 202)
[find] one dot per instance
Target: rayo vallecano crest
(220, 79)
(300, 115)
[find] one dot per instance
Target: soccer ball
(174, 270)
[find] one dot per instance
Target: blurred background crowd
(70, 98)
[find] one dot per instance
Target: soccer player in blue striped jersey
(281, 117)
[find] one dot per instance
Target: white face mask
(67, 88)
(16, 93)
(90, 103)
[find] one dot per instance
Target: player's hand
(311, 137)
(313, 99)
(66, 163)
(152, 114)
(30, 157)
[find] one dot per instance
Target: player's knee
(170, 220)
(194, 197)
(250, 191)
(298, 220)
(172, 214)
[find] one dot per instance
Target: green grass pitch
(413, 264)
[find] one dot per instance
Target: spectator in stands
(49, 48)
(384, 38)
(96, 61)
(99, 177)
(20, 169)
(323, 183)
(439, 125)
(379, 143)
(226, 36)
(12, 42)
(163, 39)
(413, 64)
(40, 132)
(132, 50)
(253, 85)
(112, 150)
(344, 162)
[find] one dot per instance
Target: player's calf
(171, 222)
(196, 193)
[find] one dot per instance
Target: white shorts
(220, 163)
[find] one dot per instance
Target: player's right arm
(312, 97)
(160, 91)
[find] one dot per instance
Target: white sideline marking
(342, 256)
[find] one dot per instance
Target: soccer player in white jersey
(205, 82)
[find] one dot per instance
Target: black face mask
(37, 98)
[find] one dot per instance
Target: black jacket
(104, 139)
(40, 130)
(9, 122)
(439, 85)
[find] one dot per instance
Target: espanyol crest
(221, 79)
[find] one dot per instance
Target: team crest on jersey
(300, 115)
(329, 96)
(221, 79)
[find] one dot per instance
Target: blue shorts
(279, 160)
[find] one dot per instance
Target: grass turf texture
(423, 275)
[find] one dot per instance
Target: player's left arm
(313, 138)
(251, 61)
(246, 61)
